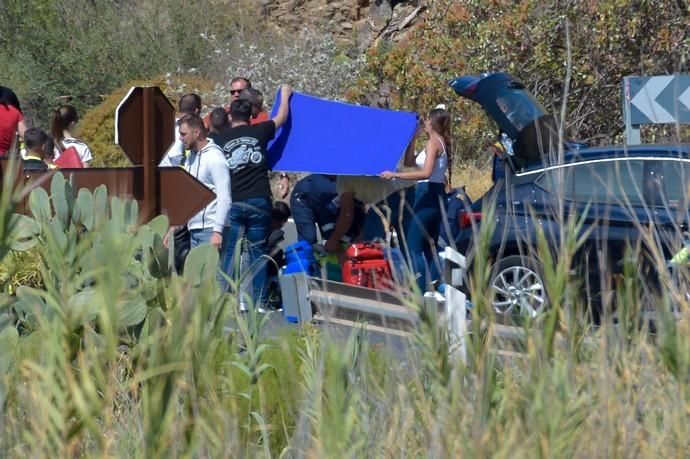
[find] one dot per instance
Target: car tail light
(465, 219)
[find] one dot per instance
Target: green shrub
(608, 40)
(58, 51)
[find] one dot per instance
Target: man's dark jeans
(306, 217)
(251, 218)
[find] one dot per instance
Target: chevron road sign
(655, 100)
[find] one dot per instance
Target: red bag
(365, 251)
(374, 274)
(69, 159)
(366, 266)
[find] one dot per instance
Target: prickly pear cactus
(94, 256)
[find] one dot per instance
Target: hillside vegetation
(572, 52)
(56, 51)
(104, 352)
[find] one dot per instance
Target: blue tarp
(328, 137)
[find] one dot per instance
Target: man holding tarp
(245, 146)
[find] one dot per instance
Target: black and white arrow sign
(657, 99)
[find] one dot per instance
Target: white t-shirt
(438, 173)
(83, 150)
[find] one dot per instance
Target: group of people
(40, 150)
(226, 150)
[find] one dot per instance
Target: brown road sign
(145, 129)
(182, 195)
(145, 120)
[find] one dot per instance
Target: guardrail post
(456, 303)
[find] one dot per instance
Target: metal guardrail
(306, 299)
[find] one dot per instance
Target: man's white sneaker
(243, 307)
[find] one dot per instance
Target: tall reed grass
(183, 383)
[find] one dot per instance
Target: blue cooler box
(299, 258)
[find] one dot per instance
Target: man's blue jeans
(251, 217)
(313, 202)
(200, 236)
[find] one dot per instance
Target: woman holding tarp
(422, 229)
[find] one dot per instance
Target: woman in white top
(422, 229)
(65, 119)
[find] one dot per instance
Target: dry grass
(476, 181)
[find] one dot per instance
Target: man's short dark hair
(246, 81)
(190, 104)
(219, 119)
(35, 138)
(241, 110)
(281, 211)
(194, 122)
(254, 96)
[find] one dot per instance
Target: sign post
(144, 129)
(654, 100)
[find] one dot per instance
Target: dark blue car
(632, 197)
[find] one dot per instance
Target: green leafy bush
(58, 51)
(608, 40)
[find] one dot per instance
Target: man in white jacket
(207, 163)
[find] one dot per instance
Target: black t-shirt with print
(245, 151)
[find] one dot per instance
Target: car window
(551, 180)
(599, 182)
(634, 182)
(519, 106)
(607, 182)
(675, 184)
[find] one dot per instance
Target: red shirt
(260, 118)
(9, 119)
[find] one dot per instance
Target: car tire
(516, 287)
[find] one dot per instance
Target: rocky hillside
(362, 23)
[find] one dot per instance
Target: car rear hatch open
(533, 132)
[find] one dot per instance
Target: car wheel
(517, 287)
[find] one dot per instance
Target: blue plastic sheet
(328, 137)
